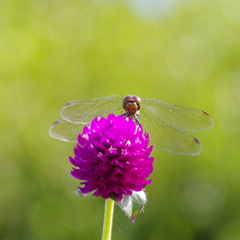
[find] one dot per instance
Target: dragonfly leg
(135, 117)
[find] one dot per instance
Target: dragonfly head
(131, 104)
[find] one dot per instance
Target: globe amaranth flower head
(112, 157)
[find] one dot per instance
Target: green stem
(108, 219)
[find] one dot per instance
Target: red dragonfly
(168, 125)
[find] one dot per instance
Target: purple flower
(112, 157)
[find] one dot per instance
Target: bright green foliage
(52, 52)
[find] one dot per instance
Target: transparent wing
(186, 119)
(165, 122)
(83, 111)
(65, 131)
(167, 138)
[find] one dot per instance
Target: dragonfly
(168, 125)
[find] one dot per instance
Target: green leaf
(133, 204)
(80, 193)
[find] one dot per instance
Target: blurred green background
(184, 52)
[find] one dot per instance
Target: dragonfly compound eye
(131, 104)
